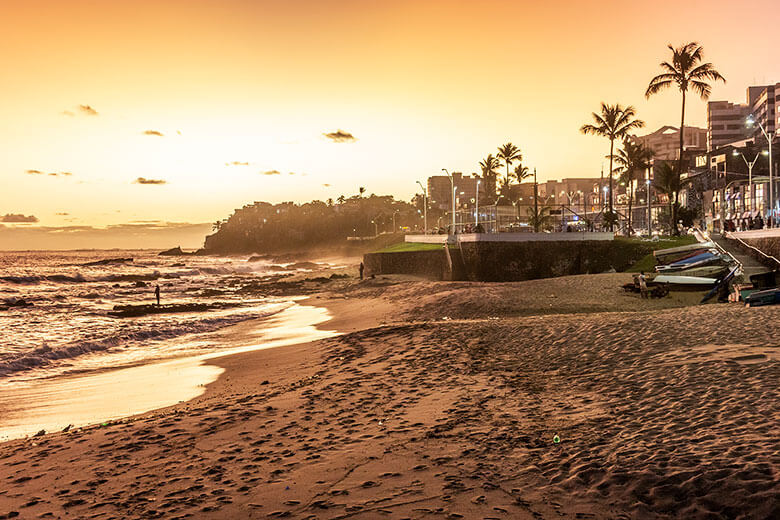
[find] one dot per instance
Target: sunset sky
(151, 116)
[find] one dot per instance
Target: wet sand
(442, 401)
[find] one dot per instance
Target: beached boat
(665, 256)
(692, 281)
(761, 298)
(706, 271)
(696, 261)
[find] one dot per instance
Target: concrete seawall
(432, 264)
(511, 261)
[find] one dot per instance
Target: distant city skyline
(170, 114)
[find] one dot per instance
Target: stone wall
(511, 261)
(514, 261)
(429, 264)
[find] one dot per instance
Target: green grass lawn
(403, 247)
(647, 263)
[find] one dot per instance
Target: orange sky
(421, 85)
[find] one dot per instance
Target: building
(726, 122)
(440, 191)
(665, 142)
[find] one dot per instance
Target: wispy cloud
(236, 163)
(68, 113)
(272, 172)
(18, 218)
(161, 235)
(62, 214)
(326, 185)
(144, 180)
(51, 174)
(87, 110)
(340, 136)
(153, 132)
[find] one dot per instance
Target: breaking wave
(45, 355)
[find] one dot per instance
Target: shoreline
(87, 400)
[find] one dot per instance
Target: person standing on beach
(157, 294)
(360, 268)
(642, 285)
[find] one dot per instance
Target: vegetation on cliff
(263, 227)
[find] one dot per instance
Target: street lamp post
(452, 181)
(425, 206)
(750, 165)
(769, 137)
(649, 227)
(476, 215)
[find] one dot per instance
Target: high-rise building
(440, 191)
(726, 121)
(665, 142)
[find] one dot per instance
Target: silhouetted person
(361, 270)
(157, 294)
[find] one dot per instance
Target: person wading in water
(157, 294)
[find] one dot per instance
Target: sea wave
(45, 355)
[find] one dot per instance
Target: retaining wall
(511, 261)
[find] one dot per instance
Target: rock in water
(176, 251)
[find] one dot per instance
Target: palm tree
(489, 166)
(614, 122)
(632, 158)
(667, 181)
(508, 153)
(540, 218)
(361, 190)
(686, 71)
(341, 199)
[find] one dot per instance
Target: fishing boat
(672, 254)
(695, 261)
(679, 281)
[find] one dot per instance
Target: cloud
(326, 185)
(18, 218)
(153, 132)
(159, 235)
(51, 174)
(272, 172)
(291, 173)
(68, 113)
(87, 110)
(143, 180)
(236, 163)
(62, 214)
(340, 136)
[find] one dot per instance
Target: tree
(614, 122)
(361, 191)
(489, 166)
(668, 181)
(632, 158)
(686, 71)
(539, 218)
(508, 153)
(341, 199)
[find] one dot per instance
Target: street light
(425, 205)
(452, 181)
(476, 215)
(769, 137)
(649, 230)
(750, 173)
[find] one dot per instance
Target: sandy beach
(444, 400)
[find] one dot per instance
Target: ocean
(63, 341)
